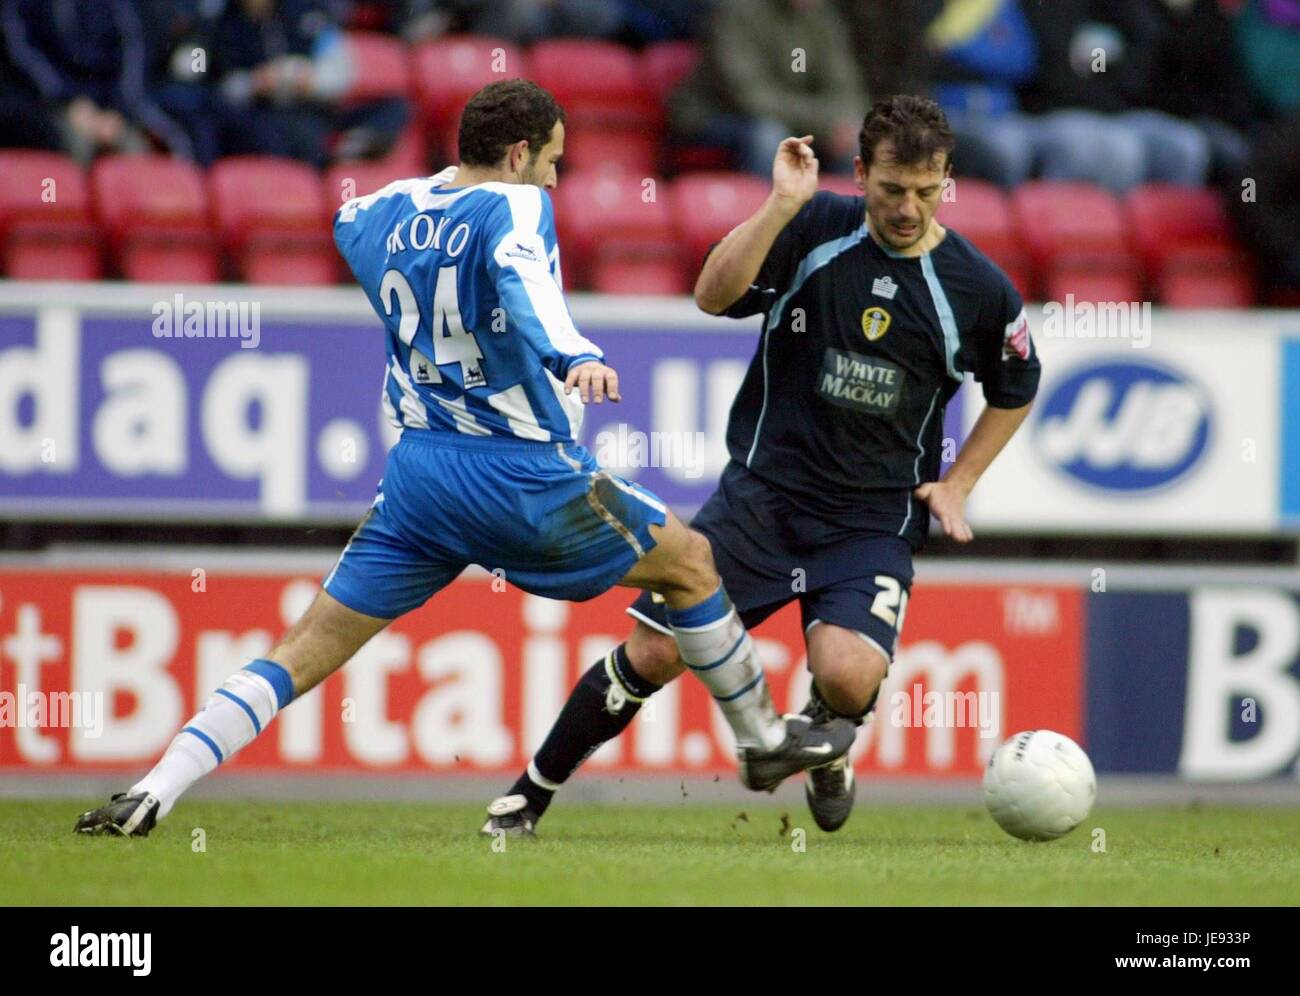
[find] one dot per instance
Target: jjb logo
(1125, 425)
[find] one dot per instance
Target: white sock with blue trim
(236, 713)
(716, 647)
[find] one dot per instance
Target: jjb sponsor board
(472, 681)
(1181, 434)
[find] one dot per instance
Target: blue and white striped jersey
(467, 282)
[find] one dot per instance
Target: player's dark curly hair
(915, 126)
(502, 114)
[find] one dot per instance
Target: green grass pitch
(400, 853)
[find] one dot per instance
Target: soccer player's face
(901, 199)
(540, 172)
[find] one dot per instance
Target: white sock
(718, 650)
(236, 713)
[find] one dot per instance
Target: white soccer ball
(1039, 785)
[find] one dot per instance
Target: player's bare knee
(697, 571)
(654, 655)
(848, 670)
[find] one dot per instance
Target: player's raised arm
(735, 261)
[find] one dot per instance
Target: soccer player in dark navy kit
(835, 437)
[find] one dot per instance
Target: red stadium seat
(47, 231)
(639, 276)
(1165, 218)
(1205, 276)
(978, 210)
(599, 84)
(691, 158)
(663, 66)
(1187, 289)
(706, 206)
(154, 210)
(343, 181)
(52, 257)
(1096, 280)
(1063, 218)
(169, 262)
(291, 266)
(627, 151)
(348, 178)
(666, 64)
(380, 62)
(1016, 266)
(611, 217)
(367, 15)
(981, 212)
(409, 155)
(271, 212)
(451, 70)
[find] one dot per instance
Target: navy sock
(599, 708)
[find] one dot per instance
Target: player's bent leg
(600, 707)
(847, 669)
(680, 567)
(654, 655)
(710, 636)
(717, 649)
(323, 640)
(326, 637)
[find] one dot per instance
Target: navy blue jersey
(842, 407)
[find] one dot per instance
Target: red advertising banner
(99, 669)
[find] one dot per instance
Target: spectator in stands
(528, 21)
(633, 22)
(1117, 93)
(1268, 40)
(25, 122)
(979, 54)
(282, 69)
(902, 66)
(87, 61)
(1269, 221)
(769, 69)
(415, 20)
(179, 46)
(1100, 75)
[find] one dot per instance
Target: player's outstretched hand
(594, 381)
(794, 173)
(947, 504)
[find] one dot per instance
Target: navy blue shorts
(544, 514)
(769, 553)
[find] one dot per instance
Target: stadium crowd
(1182, 114)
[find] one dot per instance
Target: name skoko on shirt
(102, 950)
(864, 384)
(422, 232)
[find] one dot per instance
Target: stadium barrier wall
(122, 401)
(1155, 670)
